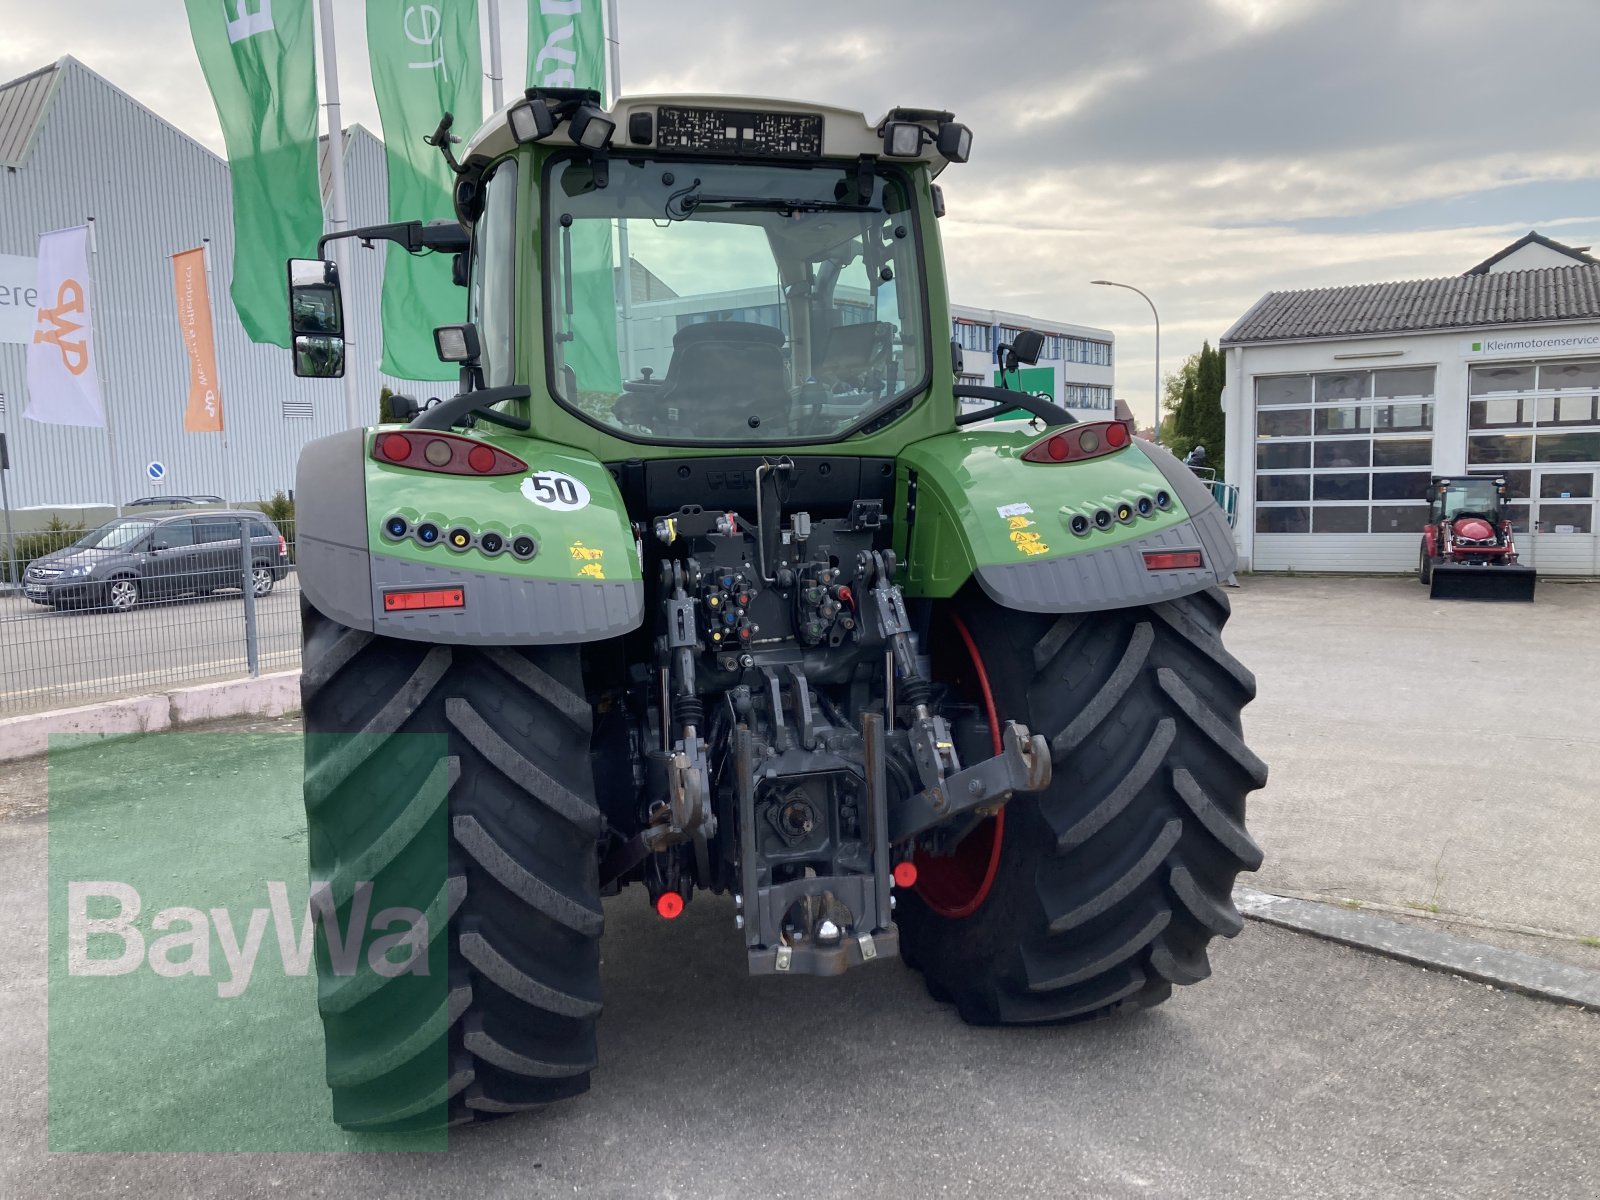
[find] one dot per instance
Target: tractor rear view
(707, 583)
(1469, 549)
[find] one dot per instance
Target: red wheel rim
(956, 885)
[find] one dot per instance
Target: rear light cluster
(1078, 442)
(1123, 512)
(444, 454)
(428, 532)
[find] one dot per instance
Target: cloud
(1205, 150)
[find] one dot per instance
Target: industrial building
(75, 148)
(1342, 401)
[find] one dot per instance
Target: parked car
(158, 556)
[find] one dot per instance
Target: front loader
(1469, 549)
(706, 583)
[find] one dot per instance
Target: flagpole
(105, 403)
(497, 83)
(216, 362)
(338, 215)
(614, 65)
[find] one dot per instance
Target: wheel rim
(956, 885)
(261, 581)
(124, 594)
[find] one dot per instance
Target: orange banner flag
(204, 411)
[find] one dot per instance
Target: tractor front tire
(1424, 567)
(499, 804)
(1099, 893)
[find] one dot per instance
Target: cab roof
(846, 134)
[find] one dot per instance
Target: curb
(1510, 970)
(265, 696)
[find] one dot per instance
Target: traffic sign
(157, 472)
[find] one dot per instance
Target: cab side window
(492, 292)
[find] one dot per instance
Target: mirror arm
(414, 236)
(459, 407)
(1005, 398)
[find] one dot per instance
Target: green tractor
(714, 578)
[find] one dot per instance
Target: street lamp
(1157, 316)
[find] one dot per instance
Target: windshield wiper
(686, 201)
(774, 204)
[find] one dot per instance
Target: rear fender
(977, 511)
(582, 584)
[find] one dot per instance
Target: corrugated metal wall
(153, 191)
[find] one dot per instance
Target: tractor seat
(727, 372)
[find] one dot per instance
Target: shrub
(280, 511)
(56, 535)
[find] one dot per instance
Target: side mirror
(154, 546)
(316, 318)
(318, 356)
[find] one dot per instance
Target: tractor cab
(1476, 496)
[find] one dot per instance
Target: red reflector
(481, 459)
(407, 601)
(905, 874)
(1171, 560)
(396, 447)
(669, 904)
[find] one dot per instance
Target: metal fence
(201, 597)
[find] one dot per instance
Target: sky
(1204, 151)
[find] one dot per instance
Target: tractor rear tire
(509, 826)
(1106, 887)
(1424, 568)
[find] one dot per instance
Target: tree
(1207, 425)
(1178, 384)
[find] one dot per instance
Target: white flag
(63, 386)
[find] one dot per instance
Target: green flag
(260, 64)
(566, 48)
(425, 62)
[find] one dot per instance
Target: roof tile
(1454, 302)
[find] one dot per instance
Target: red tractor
(1468, 551)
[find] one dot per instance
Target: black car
(158, 556)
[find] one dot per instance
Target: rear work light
(410, 601)
(1078, 443)
(444, 454)
(1172, 560)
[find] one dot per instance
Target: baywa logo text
(1576, 341)
(185, 947)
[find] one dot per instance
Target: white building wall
(1101, 375)
(1532, 257)
(1451, 355)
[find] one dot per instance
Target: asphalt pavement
(1436, 757)
(1300, 1069)
(58, 658)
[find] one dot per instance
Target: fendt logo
(74, 353)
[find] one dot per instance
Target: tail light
(444, 454)
(283, 547)
(1078, 442)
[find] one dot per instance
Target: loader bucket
(1460, 581)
